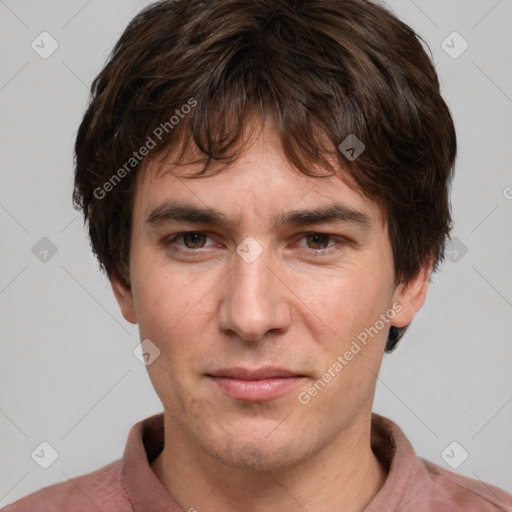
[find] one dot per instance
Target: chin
(260, 455)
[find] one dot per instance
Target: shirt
(413, 484)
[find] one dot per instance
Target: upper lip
(267, 372)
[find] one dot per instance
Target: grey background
(68, 375)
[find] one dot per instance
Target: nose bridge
(255, 300)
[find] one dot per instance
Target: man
(266, 186)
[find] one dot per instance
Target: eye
(321, 243)
(192, 240)
(317, 240)
(195, 242)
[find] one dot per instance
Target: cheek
(172, 305)
(345, 302)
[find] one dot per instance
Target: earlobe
(124, 298)
(411, 296)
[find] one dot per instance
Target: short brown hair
(323, 69)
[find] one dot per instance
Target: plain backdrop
(68, 375)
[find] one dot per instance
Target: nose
(254, 299)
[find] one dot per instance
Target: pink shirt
(413, 484)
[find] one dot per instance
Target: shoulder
(99, 490)
(462, 493)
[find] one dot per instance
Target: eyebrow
(182, 212)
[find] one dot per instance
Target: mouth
(256, 385)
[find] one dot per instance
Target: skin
(299, 306)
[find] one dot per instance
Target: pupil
(316, 237)
(195, 238)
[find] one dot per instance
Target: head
(256, 112)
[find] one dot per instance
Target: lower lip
(256, 390)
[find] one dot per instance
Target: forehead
(261, 181)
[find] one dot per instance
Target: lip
(266, 372)
(255, 385)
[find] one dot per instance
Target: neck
(345, 475)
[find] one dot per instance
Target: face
(270, 296)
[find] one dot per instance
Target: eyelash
(168, 242)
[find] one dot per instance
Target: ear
(411, 295)
(124, 298)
